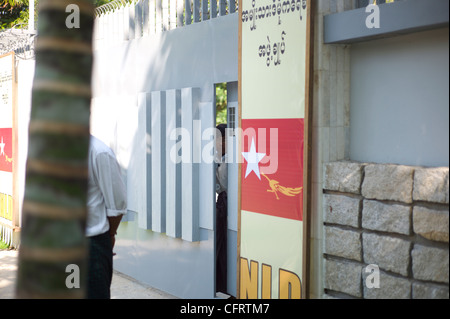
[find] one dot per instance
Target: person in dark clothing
(221, 211)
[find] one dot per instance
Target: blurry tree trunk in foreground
(54, 209)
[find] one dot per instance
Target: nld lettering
(289, 284)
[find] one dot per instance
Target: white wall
(25, 76)
(399, 109)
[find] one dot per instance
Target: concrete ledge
(395, 18)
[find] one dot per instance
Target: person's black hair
(221, 128)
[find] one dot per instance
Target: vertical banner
(6, 138)
(274, 62)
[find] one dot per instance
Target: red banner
(6, 149)
(272, 169)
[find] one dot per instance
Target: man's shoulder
(99, 147)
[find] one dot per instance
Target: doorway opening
(221, 215)
(226, 181)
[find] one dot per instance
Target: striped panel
(142, 158)
(173, 169)
(158, 208)
(179, 170)
(189, 169)
(207, 173)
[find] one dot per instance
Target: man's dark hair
(221, 128)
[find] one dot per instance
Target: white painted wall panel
(173, 168)
(142, 168)
(207, 174)
(158, 165)
(189, 169)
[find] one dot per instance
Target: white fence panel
(147, 17)
(158, 165)
(173, 167)
(189, 169)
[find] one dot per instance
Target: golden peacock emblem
(275, 187)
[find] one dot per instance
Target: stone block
(343, 177)
(430, 223)
(429, 291)
(340, 209)
(343, 276)
(387, 252)
(386, 217)
(391, 287)
(430, 263)
(388, 182)
(431, 185)
(343, 243)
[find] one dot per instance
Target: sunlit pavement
(8, 269)
(122, 286)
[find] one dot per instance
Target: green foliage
(99, 3)
(221, 103)
(13, 3)
(3, 245)
(13, 13)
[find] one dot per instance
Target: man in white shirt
(107, 203)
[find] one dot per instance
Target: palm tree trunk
(54, 209)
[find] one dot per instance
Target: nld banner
(274, 88)
(6, 136)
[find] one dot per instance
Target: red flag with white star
(272, 167)
(6, 149)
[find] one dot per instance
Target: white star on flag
(2, 146)
(253, 160)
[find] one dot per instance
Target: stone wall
(392, 217)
